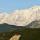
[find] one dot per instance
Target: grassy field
(26, 34)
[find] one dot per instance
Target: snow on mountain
(3, 16)
(21, 17)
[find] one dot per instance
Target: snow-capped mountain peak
(20, 17)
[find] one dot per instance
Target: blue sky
(10, 5)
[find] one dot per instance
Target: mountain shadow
(7, 27)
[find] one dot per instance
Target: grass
(26, 34)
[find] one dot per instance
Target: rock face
(21, 17)
(15, 37)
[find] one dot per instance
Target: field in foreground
(26, 34)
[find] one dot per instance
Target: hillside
(6, 27)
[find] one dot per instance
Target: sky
(10, 5)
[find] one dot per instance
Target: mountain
(34, 24)
(6, 27)
(21, 17)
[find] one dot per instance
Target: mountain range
(6, 27)
(21, 17)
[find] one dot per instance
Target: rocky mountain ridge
(21, 17)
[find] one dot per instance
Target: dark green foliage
(26, 34)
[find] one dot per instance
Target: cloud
(19, 17)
